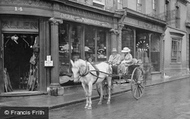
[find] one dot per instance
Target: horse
(88, 75)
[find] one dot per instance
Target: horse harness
(87, 72)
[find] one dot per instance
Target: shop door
(20, 60)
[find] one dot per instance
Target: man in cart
(114, 60)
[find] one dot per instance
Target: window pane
(176, 50)
(64, 54)
(155, 52)
(128, 39)
(101, 44)
(75, 39)
(89, 43)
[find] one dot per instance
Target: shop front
(85, 32)
(24, 39)
(57, 30)
(144, 38)
(19, 42)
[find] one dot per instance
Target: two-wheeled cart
(135, 77)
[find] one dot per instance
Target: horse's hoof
(99, 103)
(108, 102)
(86, 106)
(89, 108)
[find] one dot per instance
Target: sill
(175, 63)
(22, 93)
(155, 72)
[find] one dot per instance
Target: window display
(80, 41)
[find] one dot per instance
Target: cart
(135, 77)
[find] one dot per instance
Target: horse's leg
(101, 93)
(97, 88)
(89, 95)
(86, 94)
(109, 89)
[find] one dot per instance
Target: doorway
(18, 49)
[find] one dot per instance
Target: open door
(1, 61)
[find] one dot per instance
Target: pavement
(75, 94)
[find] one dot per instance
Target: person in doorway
(114, 60)
(126, 60)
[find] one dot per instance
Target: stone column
(55, 54)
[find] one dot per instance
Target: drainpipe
(120, 27)
(117, 32)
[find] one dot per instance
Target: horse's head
(78, 69)
(75, 71)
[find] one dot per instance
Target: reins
(87, 71)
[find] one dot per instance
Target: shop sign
(19, 25)
(48, 62)
(84, 20)
(142, 24)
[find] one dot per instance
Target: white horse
(88, 75)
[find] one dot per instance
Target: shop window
(128, 39)
(142, 46)
(155, 52)
(176, 50)
(64, 48)
(89, 47)
(101, 45)
(69, 43)
(95, 44)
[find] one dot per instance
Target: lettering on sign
(84, 20)
(19, 24)
(18, 9)
(142, 24)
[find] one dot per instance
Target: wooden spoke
(137, 84)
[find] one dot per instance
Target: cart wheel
(137, 83)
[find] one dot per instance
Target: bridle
(87, 71)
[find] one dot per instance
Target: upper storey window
(99, 3)
(139, 5)
(154, 5)
(119, 4)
